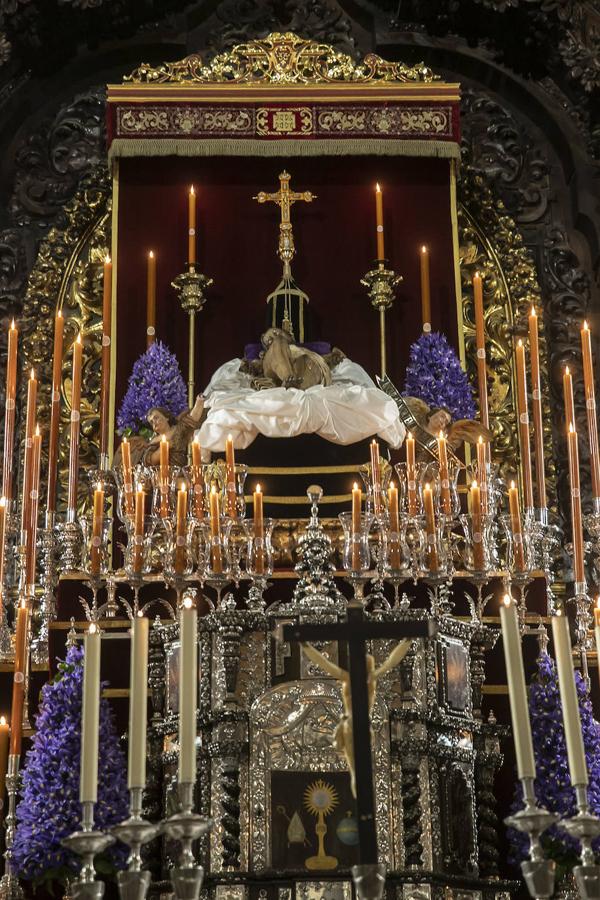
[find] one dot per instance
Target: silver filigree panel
(291, 729)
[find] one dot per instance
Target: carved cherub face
(158, 421)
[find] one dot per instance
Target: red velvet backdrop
(237, 241)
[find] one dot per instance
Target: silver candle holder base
(256, 601)
(369, 880)
(10, 889)
(585, 827)
(186, 827)
(87, 843)
(135, 832)
(533, 820)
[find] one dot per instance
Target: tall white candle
(519, 709)
(138, 703)
(90, 717)
(188, 690)
(568, 698)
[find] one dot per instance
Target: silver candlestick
(592, 524)
(87, 843)
(585, 827)
(186, 827)
(10, 889)
(70, 541)
(134, 831)
(369, 880)
(49, 580)
(583, 622)
(533, 820)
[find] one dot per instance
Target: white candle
(90, 717)
(138, 702)
(568, 698)
(188, 691)
(519, 709)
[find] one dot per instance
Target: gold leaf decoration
(280, 59)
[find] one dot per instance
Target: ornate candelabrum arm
(191, 286)
(380, 283)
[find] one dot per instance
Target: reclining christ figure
(291, 390)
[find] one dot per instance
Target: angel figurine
(425, 424)
(343, 736)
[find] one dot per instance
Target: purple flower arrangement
(435, 375)
(553, 787)
(49, 808)
(155, 380)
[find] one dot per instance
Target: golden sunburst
(320, 797)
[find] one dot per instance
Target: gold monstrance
(287, 289)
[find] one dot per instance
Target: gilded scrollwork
(280, 58)
(68, 276)
(491, 243)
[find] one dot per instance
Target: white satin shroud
(350, 409)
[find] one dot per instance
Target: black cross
(356, 631)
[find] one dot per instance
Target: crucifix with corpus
(353, 735)
(283, 316)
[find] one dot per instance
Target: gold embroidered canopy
(281, 95)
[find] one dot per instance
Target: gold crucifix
(285, 198)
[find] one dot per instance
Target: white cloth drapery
(351, 409)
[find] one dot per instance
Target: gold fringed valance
(125, 147)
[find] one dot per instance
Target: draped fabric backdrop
(237, 242)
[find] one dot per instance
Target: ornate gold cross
(285, 198)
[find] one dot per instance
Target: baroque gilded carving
(505, 154)
(491, 243)
(68, 275)
(280, 58)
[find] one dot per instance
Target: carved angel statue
(425, 423)
(343, 738)
(179, 431)
(284, 364)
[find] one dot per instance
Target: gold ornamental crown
(280, 58)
